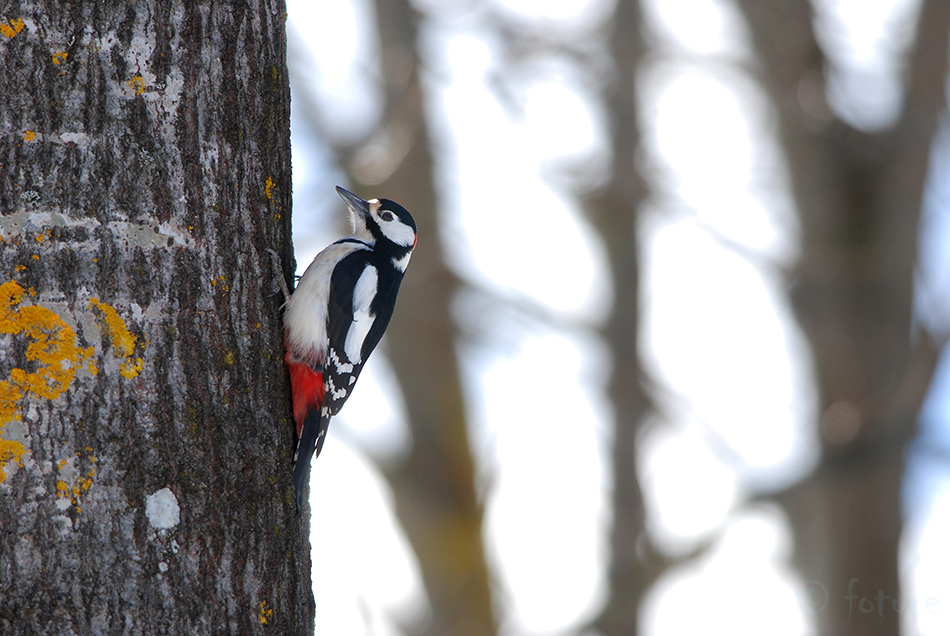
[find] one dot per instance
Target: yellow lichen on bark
(130, 369)
(80, 483)
(53, 346)
(137, 84)
(122, 340)
(9, 396)
(11, 28)
(265, 612)
(10, 451)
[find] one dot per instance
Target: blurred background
(667, 359)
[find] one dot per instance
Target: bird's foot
(279, 279)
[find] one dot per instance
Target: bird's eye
(386, 216)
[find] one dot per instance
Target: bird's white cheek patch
(363, 319)
(399, 233)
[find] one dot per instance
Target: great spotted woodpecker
(338, 313)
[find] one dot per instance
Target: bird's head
(382, 223)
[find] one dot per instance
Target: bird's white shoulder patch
(363, 318)
(305, 316)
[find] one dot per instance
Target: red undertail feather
(307, 387)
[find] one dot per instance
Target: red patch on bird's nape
(307, 387)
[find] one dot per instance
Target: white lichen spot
(79, 139)
(162, 566)
(161, 508)
(175, 547)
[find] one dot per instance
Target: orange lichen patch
(29, 135)
(12, 27)
(224, 284)
(265, 613)
(130, 368)
(268, 186)
(137, 84)
(60, 57)
(73, 488)
(9, 396)
(10, 295)
(123, 341)
(10, 451)
(53, 346)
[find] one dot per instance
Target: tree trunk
(858, 196)
(146, 431)
(634, 566)
(434, 486)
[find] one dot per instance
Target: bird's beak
(353, 202)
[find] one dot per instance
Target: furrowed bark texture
(858, 196)
(146, 434)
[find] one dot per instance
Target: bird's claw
(279, 273)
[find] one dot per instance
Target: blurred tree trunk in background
(634, 565)
(437, 501)
(858, 197)
(146, 430)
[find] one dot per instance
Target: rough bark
(144, 171)
(858, 197)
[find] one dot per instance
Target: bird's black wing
(340, 372)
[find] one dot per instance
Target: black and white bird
(337, 315)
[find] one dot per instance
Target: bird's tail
(310, 443)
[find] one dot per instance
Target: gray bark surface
(144, 171)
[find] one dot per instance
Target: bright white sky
(736, 391)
